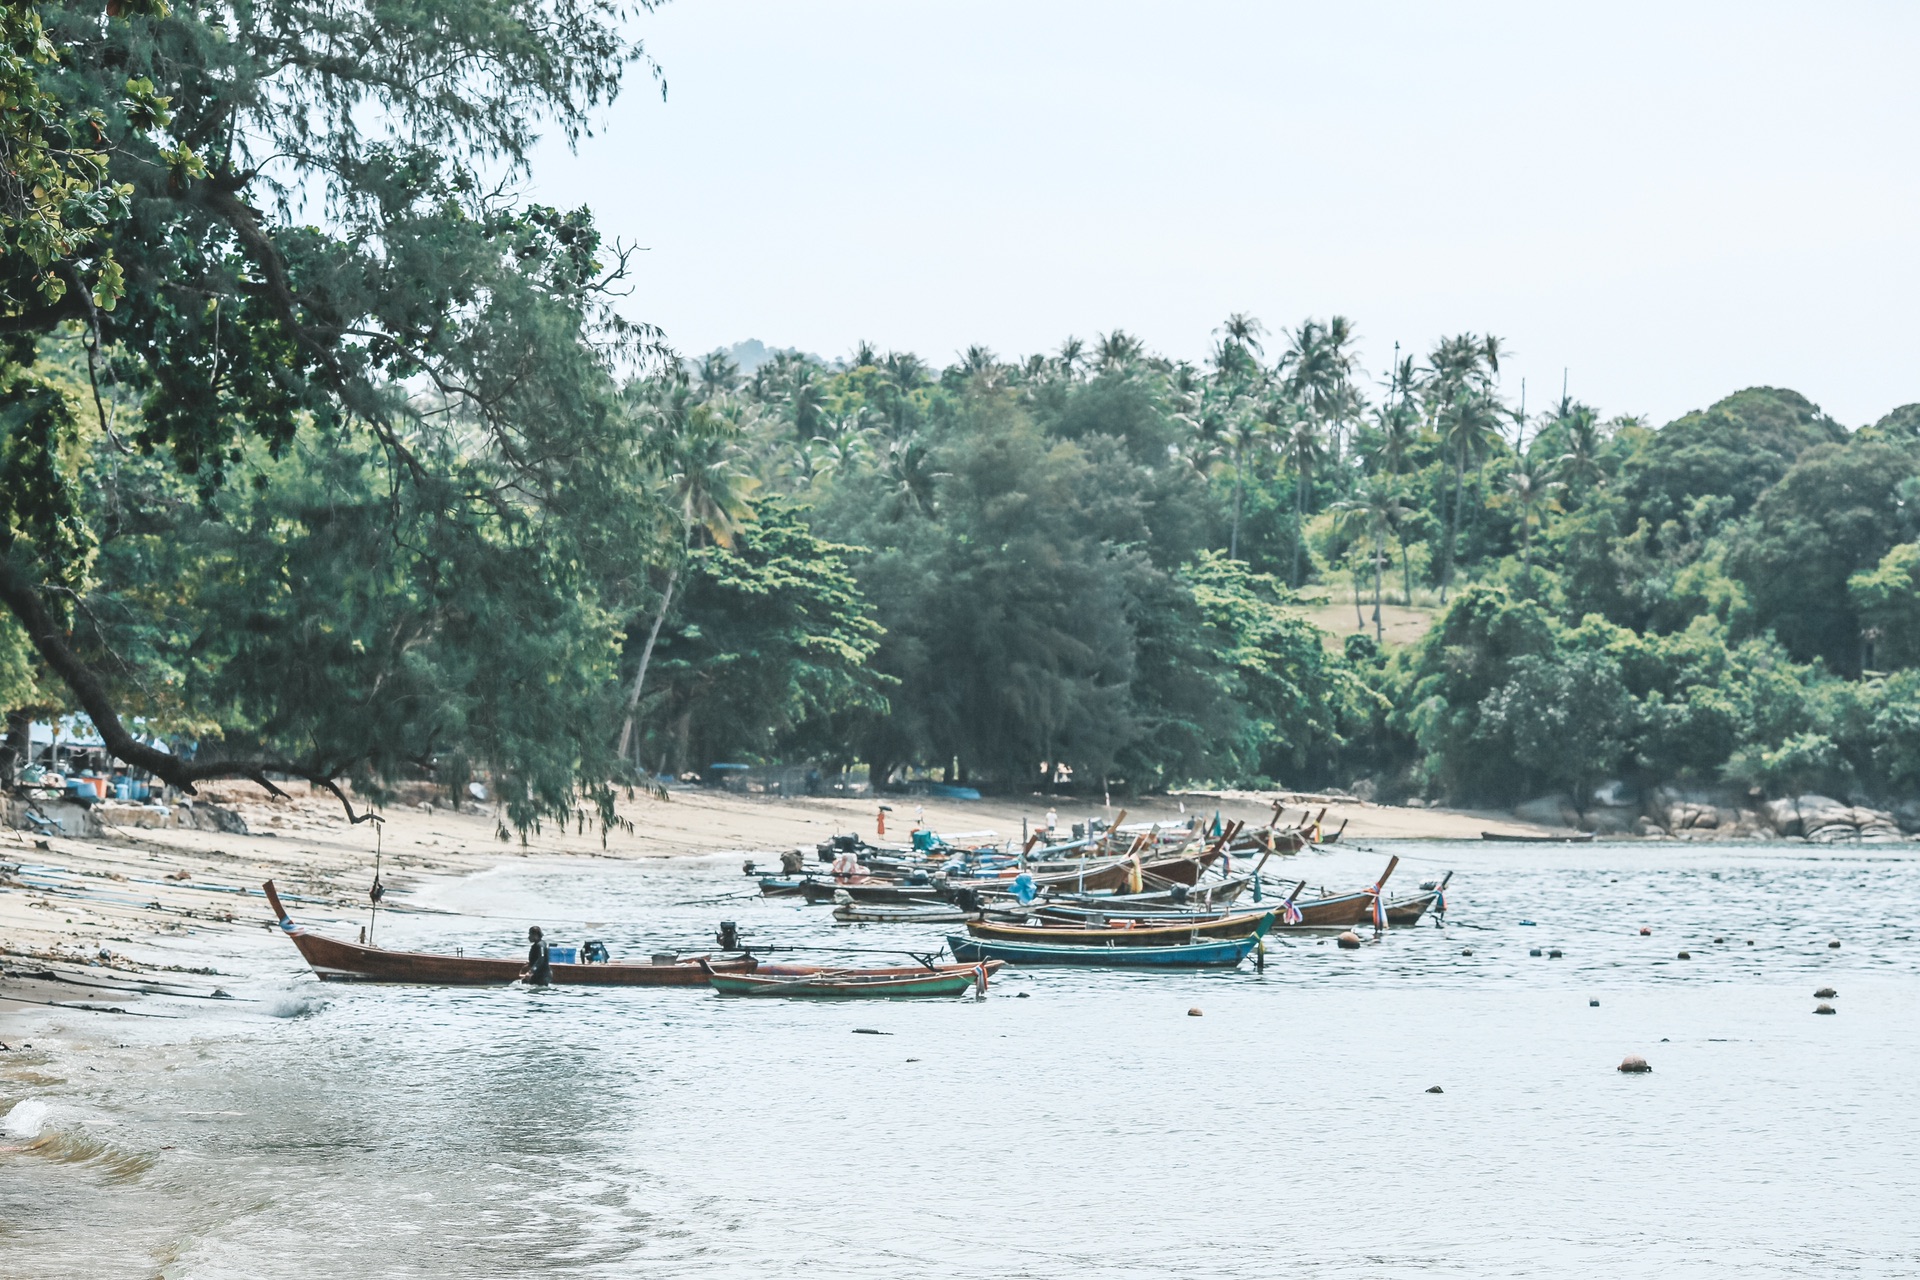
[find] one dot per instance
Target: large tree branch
(49, 638)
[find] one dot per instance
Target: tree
(1834, 514)
(1374, 511)
(1303, 448)
(1470, 427)
(696, 456)
(1888, 600)
(1532, 495)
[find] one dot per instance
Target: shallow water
(1092, 1128)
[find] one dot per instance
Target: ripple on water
(1093, 1128)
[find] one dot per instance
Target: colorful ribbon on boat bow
(1289, 913)
(1379, 910)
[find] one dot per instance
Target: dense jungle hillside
(1106, 559)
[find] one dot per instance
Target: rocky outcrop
(1548, 811)
(1824, 820)
(209, 817)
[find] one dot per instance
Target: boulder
(1548, 811)
(1645, 826)
(1784, 817)
(1824, 819)
(1610, 821)
(1907, 814)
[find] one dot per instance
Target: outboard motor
(1178, 894)
(729, 936)
(967, 898)
(594, 951)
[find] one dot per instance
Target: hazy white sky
(1672, 200)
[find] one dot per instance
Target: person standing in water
(539, 970)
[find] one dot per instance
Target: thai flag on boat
(1290, 913)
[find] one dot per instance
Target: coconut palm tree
(1582, 465)
(1302, 446)
(1470, 426)
(1373, 512)
(705, 495)
(1531, 490)
(1316, 371)
(716, 375)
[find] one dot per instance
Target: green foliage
(1887, 598)
(769, 650)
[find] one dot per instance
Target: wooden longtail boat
(1207, 894)
(1245, 925)
(1223, 953)
(869, 891)
(336, 961)
(1584, 837)
(947, 980)
(1342, 910)
(1408, 911)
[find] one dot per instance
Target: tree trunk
(1239, 486)
(646, 656)
(17, 751)
(1406, 569)
(1453, 538)
(1299, 520)
(1379, 555)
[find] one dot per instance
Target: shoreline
(140, 912)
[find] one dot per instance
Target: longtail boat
(1127, 934)
(947, 980)
(1501, 837)
(335, 961)
(1340, 910)
(869, 891)
(1221, 953)
(1407, 911)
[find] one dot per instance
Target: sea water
(1073, 1122)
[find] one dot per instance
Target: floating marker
(1634, 1064)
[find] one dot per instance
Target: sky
(1661, 203)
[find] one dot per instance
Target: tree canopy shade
(421, 378)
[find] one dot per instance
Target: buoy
(1825, 1008)
(1686, 955)
(870, 1031)
(1719, 939)
(1349, 941)
(1825, 993)
(1022, 995)
(1835, 944)
(1554, 954)
(1436, 1089)
(1634, 1064)
(1749, 941)
(1533, 951)
(1194, 1012)
(1593, 1004)
(1466, 951)
(1645, 932)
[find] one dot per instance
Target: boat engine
(729, 936)
(594, 951)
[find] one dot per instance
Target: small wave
(26, 1119)
(295, 1005)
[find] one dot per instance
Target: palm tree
(1531, 491)
(909, 467)
(1303, 446)
(1316, 371)
(1243, 430)
(1374, 511)
(1073, 354)
(717, 374)
(705, 494)
(1399, 426)
(1582, 464)
(1119, 349)
(1470, 427)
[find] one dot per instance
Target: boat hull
(1148, 935)
(335, 961)
(949, 980)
